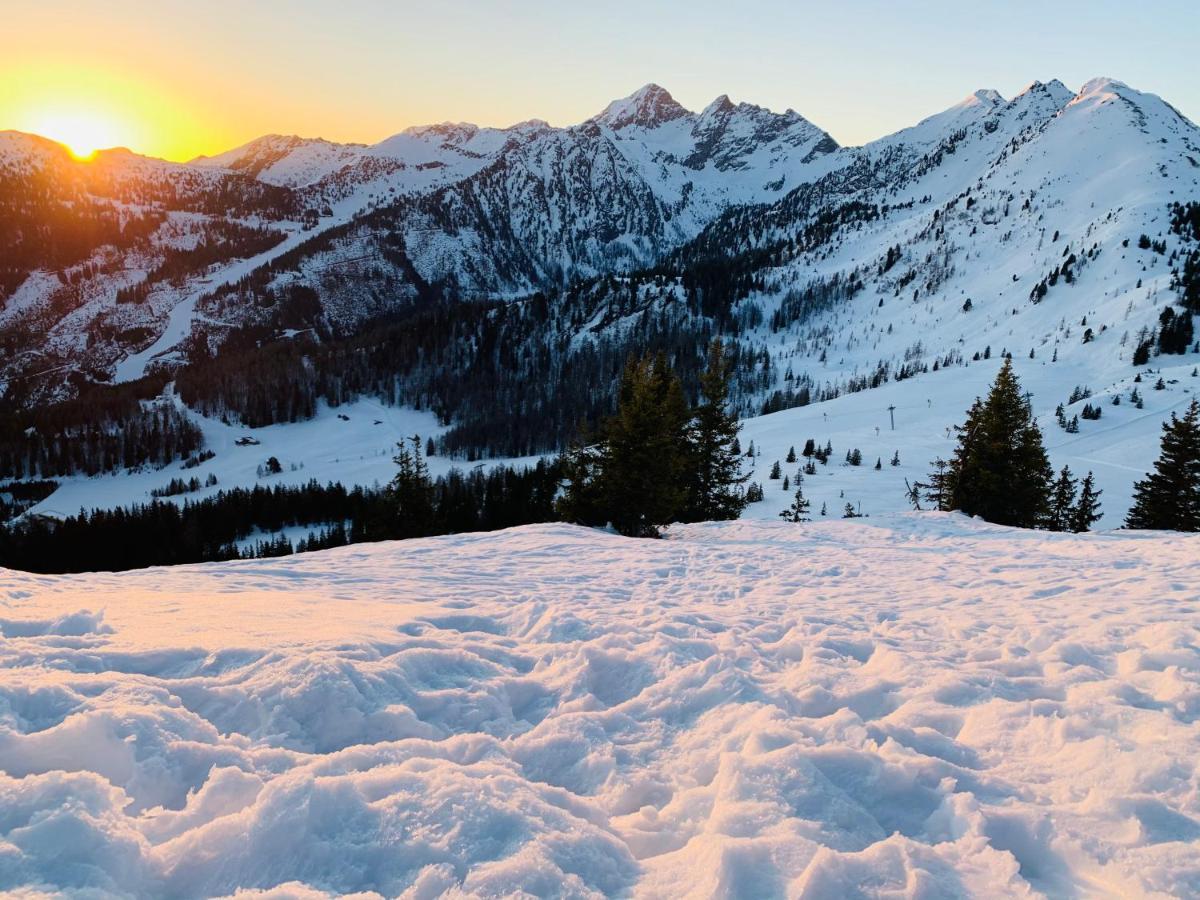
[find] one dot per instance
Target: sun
(83, 132)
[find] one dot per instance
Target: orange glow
(82, 131)
(89, 109)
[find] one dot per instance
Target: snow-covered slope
(916, 706)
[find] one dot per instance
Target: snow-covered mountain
(473, 271)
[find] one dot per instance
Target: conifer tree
(1062, 502)
(582, 497)
(1000, 471)
(1169, 497)
(791, 455)
(714, 466)
(939, 489)
(798, 511)
(642, 473)
(1087, 509)
(412, 491)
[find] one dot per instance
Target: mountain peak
(648, 106)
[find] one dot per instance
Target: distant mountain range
(995, 224)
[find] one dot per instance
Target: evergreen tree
(776, 470)
(714, 466)
(411, 491)
(1087, 510)
(938, 491)
(642, 474)
(798, 511)
(1062, 502)
(1169, 497)
(1000, 471)
(582, 498)
(791, 455)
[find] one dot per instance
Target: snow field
(915, 705)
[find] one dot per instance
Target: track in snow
(920, 705)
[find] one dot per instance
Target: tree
(713, 465)
(791, 455)
(939, 489)
(1000, 471)
(776, 471)
(798, 511)
(1062, 502)
(1169, 497)
(642, 474)
(582, 497)
(848, 512)
(411, 491)
(1087, 510)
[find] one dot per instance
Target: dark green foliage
(411, 491)
(1169, 497)
(162, 533)
(712, 464)
(1175, 332)
(1141, 354)
(1062, 502)
(657, 461)
(798, 511)
(1000, 471)
(1087, 507)
(107, 428)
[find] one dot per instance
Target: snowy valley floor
(911, 705)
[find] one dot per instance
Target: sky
(178, 79)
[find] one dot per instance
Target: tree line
(246, 522)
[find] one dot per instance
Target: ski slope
(915, 705)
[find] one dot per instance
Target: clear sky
(177, 79)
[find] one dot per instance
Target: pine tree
(1000, 471)
(582, 497)
(1087, 509)
(776, 470)
(713, 465)
(411, 491)
(1169, 497)
(791, 455)
(848, 512)
(642, 473)
(938, 491)
(1062, 502)
(798, 511)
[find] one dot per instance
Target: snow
(912, 705)
(355, 450)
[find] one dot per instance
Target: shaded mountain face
(831, 264)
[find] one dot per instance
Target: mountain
(499, 277)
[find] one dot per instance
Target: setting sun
(82, 132)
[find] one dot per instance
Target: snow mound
(912, 705)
